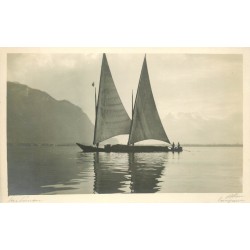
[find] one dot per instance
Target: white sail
(146, 123)
(111, 116)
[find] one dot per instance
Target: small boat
(111, 118)
(177, 149)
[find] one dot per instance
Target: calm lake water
(67, 170)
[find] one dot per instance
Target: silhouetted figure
(178, 145)
(173, 146)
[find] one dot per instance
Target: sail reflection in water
(111, 173)
(146, 171)
(60, 170)
(128, 172)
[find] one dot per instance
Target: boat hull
(128, 149)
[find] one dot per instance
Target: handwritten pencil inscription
(232, 198)
(26, 199)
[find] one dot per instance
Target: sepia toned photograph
(124, 124)
(115, 122)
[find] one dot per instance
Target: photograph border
(129, 198)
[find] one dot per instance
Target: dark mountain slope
(35, 117)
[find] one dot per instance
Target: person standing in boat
(178, 146)
(173, 146)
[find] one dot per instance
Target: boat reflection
(146, 171)
(111, 173)
(128, 172)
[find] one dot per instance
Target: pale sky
(202, 85)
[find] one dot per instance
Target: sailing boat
(112, 119)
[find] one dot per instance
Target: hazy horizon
(198, 96)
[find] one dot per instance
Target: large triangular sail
(146, 123)
(111, 116)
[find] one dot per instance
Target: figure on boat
(112, 119)
(176, 149)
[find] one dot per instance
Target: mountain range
(193, 128)
(33, 116)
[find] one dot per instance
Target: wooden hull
(128, 149)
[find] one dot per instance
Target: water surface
(67, 170)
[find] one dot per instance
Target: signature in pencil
(232, 198)
(25, 198)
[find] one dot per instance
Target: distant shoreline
(212, 145)
(73, 144)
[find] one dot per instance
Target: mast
(95, 102)
(93, 84)
(97, 144)
(132, 104)
(132, 118)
